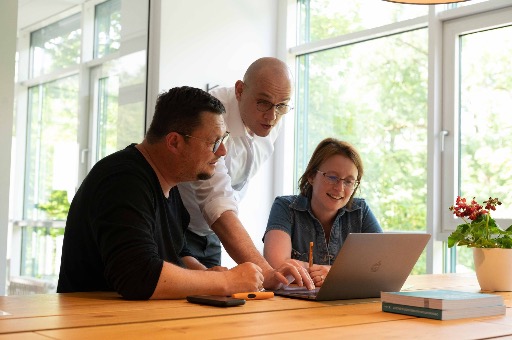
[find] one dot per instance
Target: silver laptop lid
(370, 263)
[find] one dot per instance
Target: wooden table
(107, 316)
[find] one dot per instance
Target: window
(429, 125)
(372, 92)
(119, 90)
(51, 142)
(108, 102)
(107, 28)
(478, 97)
(324, 19)
(55, 46)
(81, 97)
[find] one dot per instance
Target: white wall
(213, 42)
(8, 20)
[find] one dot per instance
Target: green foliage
(483, 232)
(57, 206)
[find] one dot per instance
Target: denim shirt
(293, 215)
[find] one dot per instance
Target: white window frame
(452, 31)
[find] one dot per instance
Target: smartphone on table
(214, 300)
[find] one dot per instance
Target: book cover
(441, 299)
(440, 314)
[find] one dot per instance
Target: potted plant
(492, 246)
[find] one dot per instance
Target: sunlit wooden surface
(106, 315)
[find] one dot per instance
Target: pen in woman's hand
(310, 254)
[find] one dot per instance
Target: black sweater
(120, 228)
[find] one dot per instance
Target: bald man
(254, 108)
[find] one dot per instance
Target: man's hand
(246, 277)
(290, 271)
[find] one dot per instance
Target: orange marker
(253, 295)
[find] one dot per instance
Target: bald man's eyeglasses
(264, 106)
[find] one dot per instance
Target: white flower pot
(493, 267)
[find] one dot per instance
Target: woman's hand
(288, 272)
(318, 273)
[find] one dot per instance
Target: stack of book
(442, 304)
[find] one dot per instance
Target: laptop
(366, 265)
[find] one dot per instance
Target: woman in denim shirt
(325, 212)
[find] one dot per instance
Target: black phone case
(213, 300)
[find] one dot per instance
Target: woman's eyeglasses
(333, 179)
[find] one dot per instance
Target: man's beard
(204, 176)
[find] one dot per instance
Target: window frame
(449, 135)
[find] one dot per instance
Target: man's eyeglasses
(264, 106)
(332, 179)
(216, 144)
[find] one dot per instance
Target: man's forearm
(192, 263)
(237, 241)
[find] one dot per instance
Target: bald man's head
(264, 95)
(267, 67)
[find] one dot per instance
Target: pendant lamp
(425, 2)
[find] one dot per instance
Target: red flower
(492, 203)
(473, 210)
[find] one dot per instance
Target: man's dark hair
(179, 110)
